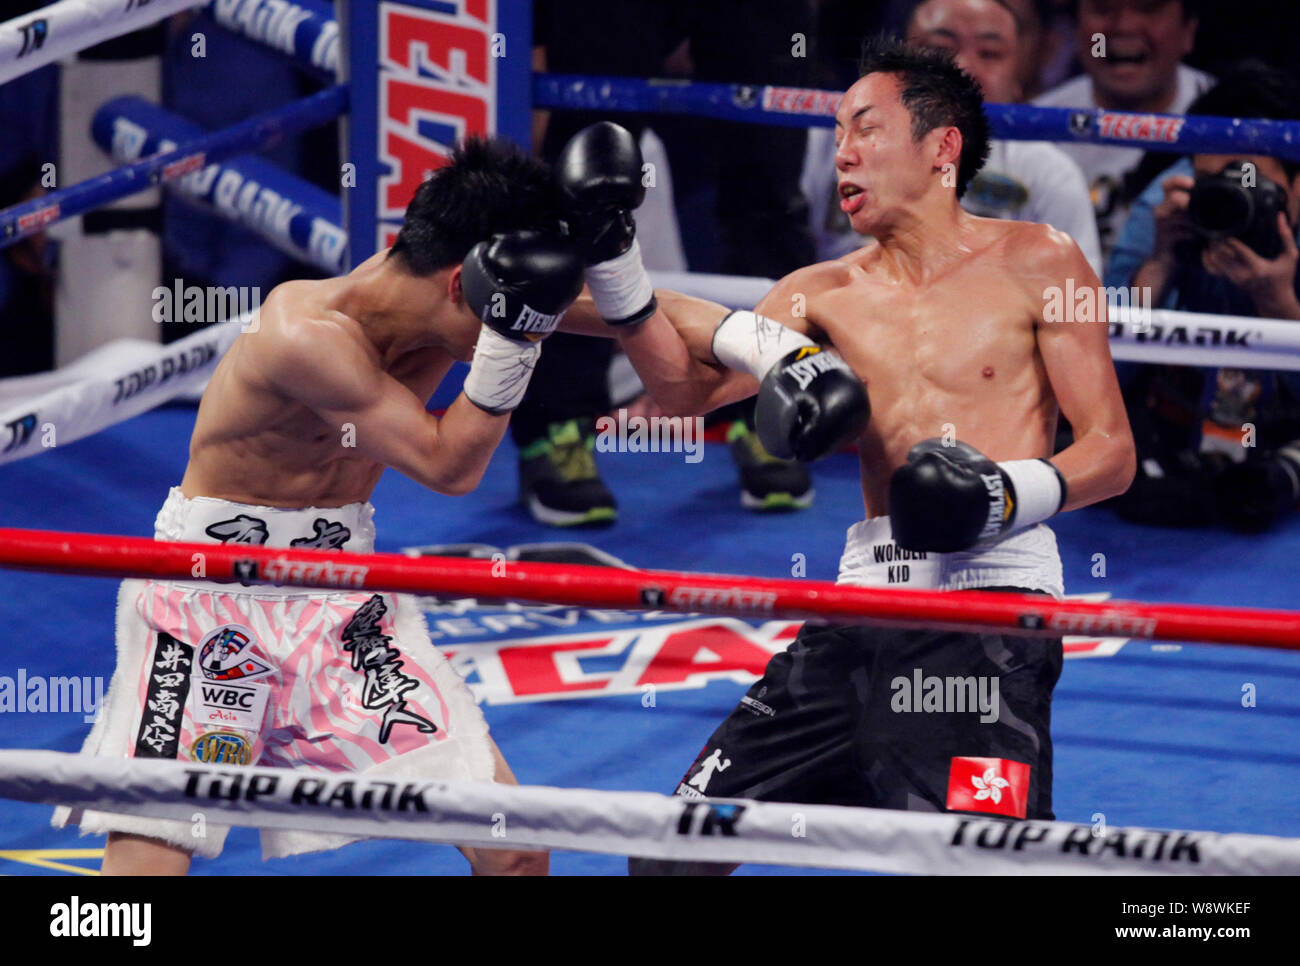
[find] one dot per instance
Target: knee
(530, 863)
(503, 862)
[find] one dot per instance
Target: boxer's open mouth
(851, 198)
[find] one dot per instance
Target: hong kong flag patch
(988, 785)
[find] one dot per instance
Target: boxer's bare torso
(958, 350)
(295, 412)
(942, 317)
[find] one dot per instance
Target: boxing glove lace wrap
(498, 376)
(749, 342)
(621, 288)
(1039, 491)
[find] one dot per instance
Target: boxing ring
(600, 684)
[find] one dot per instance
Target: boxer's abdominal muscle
(955, 357)
(253, 445)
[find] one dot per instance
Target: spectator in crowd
(738, 202)
(26, 281)
(1217, 444)
(1131, 52)
(1040, 47)
(1022, 180)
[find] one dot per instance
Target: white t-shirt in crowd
(1105, 165)
(1021, 181)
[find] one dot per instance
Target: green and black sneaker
(767, 483)
(558, 479)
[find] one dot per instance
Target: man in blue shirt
(1216, 444)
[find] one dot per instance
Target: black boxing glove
(809, 405)
(519, 285)
(809, 401)
(950, 497)
(598, 177)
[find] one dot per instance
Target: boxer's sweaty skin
(942, 317)
(308, 409)
(333, 362)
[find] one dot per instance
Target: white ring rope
(129, 377)
(70, 26)
(630, 823)
(115, 382)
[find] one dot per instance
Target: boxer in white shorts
(300, 419)
(279, 676)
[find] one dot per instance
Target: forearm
(1155, 274)
(466, 439)
(695, 319)
(1096, 467)
(667, 359)
(671, 351)
(1277, 304)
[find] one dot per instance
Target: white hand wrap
(620, 287)
(498, 376)
(1040, 491)
(748, 342)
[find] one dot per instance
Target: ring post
(425, 74)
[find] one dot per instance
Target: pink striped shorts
(342, 681)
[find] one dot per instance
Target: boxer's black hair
(937, 93)
(488, 186)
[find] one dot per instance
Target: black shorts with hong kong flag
(875, 717)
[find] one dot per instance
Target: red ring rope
(106, 555)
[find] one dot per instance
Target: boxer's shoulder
(802, 294)
(302, 342)
(1036, 248)
(827, 276)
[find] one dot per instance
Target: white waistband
(1028, 558)
(206, 519)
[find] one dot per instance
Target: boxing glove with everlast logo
(598, 178)
(949, 496)
(519, 284)
(809, 402)
(809, 405)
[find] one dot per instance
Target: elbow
(458, 484)
(680, 406)
(1125, 465)
(679, 400)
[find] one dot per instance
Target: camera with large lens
(1238, 202)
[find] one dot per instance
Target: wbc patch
(225, 654)
(218, 704)
(993, 785)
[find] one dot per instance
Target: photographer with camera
(1217, 233)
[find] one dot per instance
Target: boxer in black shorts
(955, 327)
(823, 727)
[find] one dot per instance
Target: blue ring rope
(806, 107)
(254, 134)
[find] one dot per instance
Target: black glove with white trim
(950, 496)
(519, 284)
